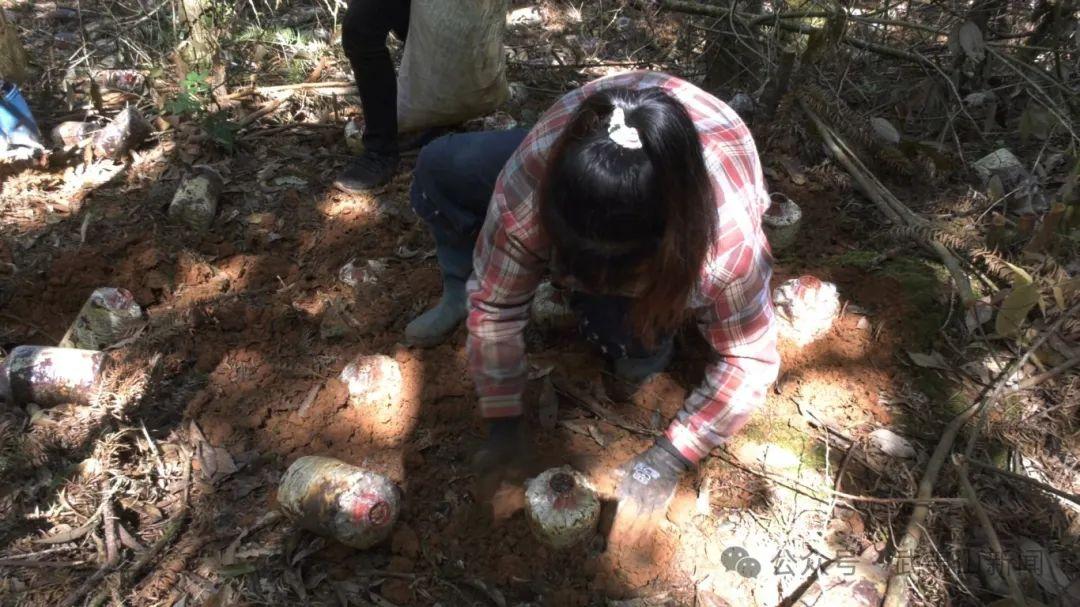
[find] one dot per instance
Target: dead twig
(302, 86)
(265, 110)
(1036, 380)
(1018, 363)
(798, 487)
(895, 210)
(779, 21)
(134, 573)
(108, 517)
(88, 585)
(128, 539)
(896, 595)
(601, 411)
(44, 564)
(1065, 495)
(988, 527)
(1047, 101)
(74, 534)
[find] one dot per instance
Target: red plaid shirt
(731, 303)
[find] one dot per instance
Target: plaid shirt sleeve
(733, 304)
(510, 258)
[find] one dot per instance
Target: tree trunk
(12, 55)
(200, 48)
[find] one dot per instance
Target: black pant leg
(363, 37)
(453, 181)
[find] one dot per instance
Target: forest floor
(250, 324)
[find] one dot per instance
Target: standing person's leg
(363, 36)
(452, 185)
(604, 321)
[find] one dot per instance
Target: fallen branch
(89, 584)
(890, 206)
(1010, 370)
(266, 109)
(302, 86)
(896, 595)
(133, 574)
(991, 534)
(128, 539)
(272, 107)
(108, 517)
(1035, 380)
(802, 489)
(1065, 495)
(781, 20)
(1047, 101)
(73, 534)
(601, 411)
(43, 564)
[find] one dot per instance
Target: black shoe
(370, 170)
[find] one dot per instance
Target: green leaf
(184, 105)
(221, 130)
(196, 83)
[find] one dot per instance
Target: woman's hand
(645, 492)
(505, 452)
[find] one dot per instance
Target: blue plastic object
(17, 126)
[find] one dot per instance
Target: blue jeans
(452, 185)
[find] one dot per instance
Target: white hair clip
(621, 134)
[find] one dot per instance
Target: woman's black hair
(622, 219)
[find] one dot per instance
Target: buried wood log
(106, 317)
(71, 133)
(196, 200)
(373, 380)
(334, 499)
(806, 308)
(51, 376)
(126, 131)
(562, 507)
(781, 222)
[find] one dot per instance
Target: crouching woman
(642, 196)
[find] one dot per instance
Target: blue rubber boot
(433, 327)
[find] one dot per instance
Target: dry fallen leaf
(934, 360)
